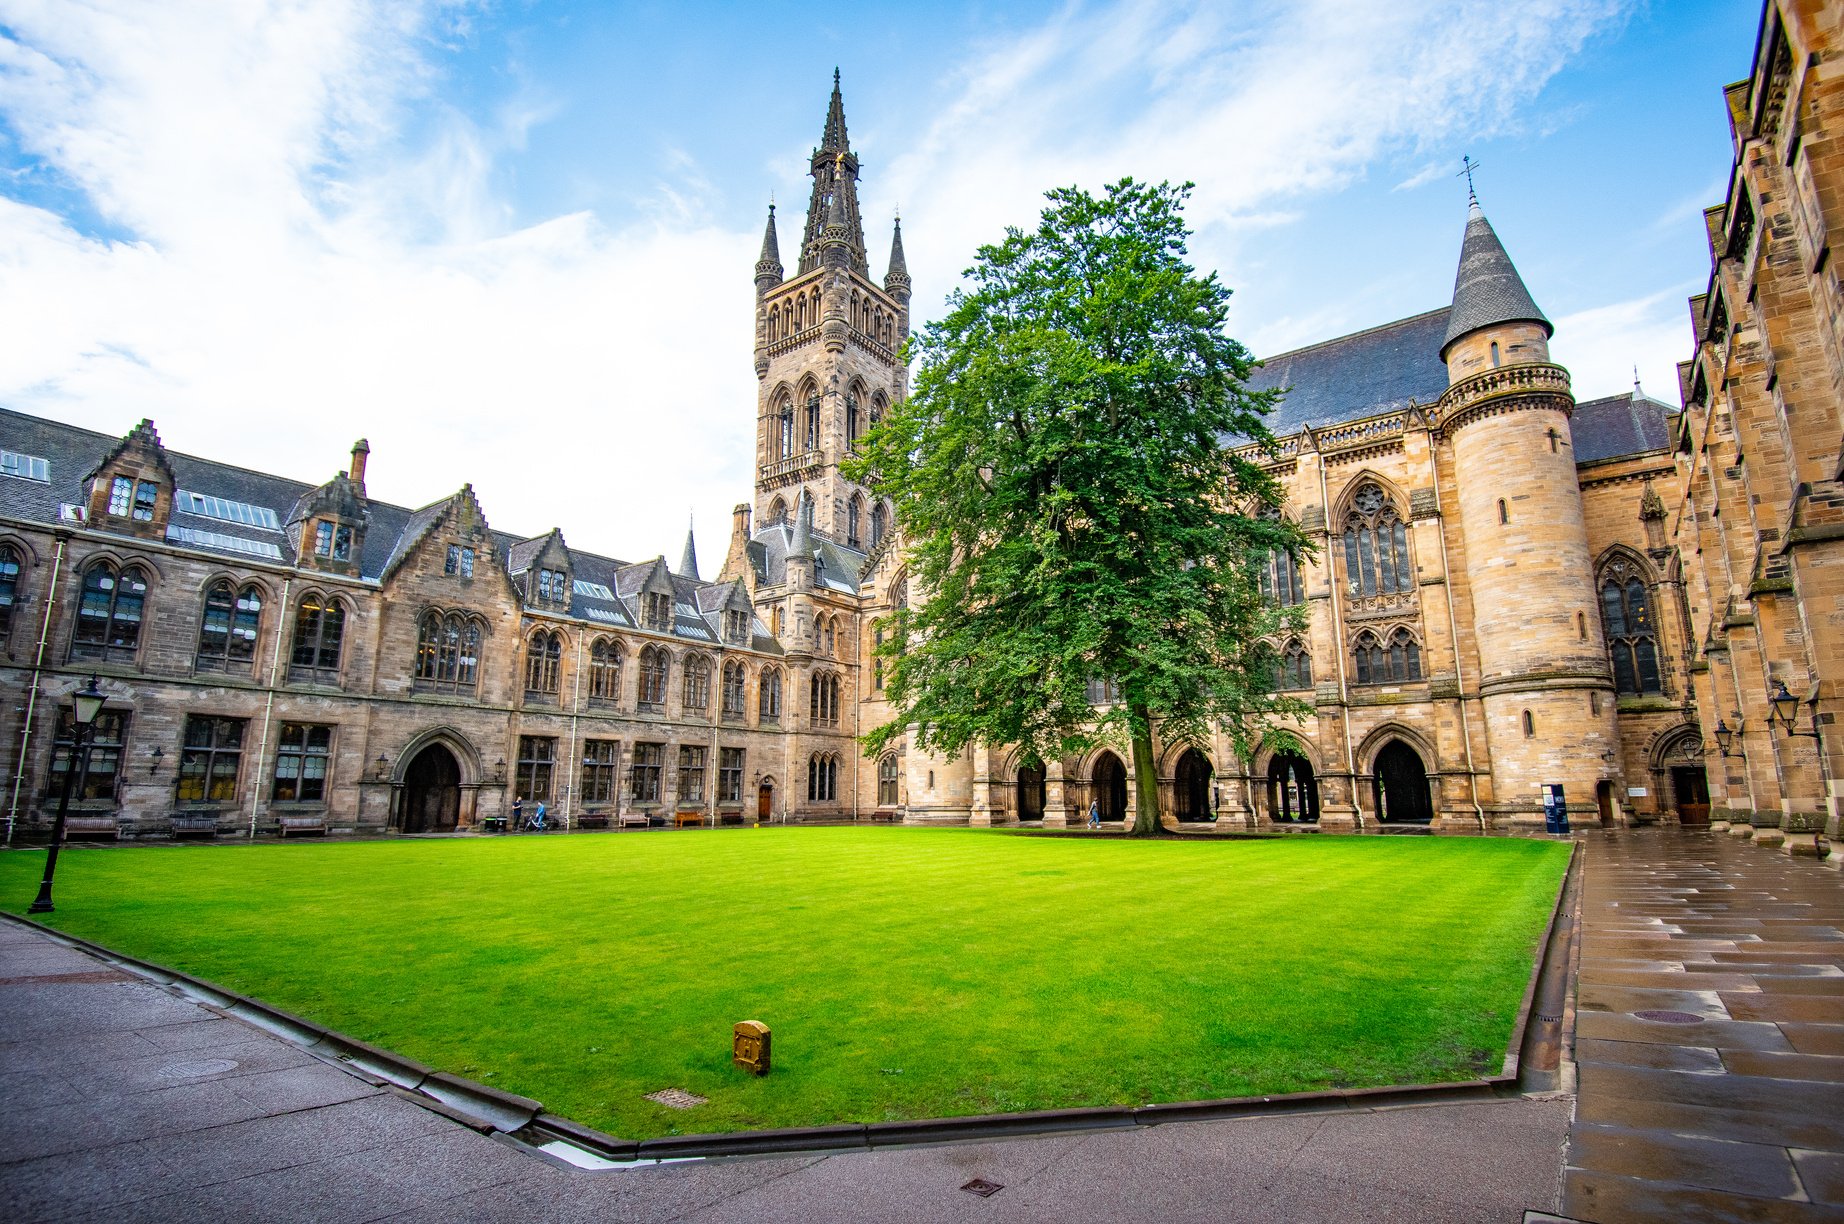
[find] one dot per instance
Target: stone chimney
(361, 451)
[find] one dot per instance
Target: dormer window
(736, 626)
(460, 561)
(656, 610)
(133, 498)
(553, 586)
(332, 540)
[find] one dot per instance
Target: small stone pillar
(1056, 804)
(750, 1046)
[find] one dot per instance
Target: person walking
(518, 813)
(1094, 814)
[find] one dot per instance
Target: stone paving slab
(115, 1106)
(1737, 1114)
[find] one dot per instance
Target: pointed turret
(835, 190)
(1487, 291)
(799, 560)
(769, 271)
(896, 280)
(688, 560)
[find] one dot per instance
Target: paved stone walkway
(1709, 1033)
(120, 1101)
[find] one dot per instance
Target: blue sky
(511, 243)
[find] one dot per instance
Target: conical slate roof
(688, 560)
(899, 266)
(1487, 289)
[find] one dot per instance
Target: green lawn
(906, 973)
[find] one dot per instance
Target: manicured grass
(906, 973)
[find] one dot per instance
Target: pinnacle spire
(834, 140)
(802, 542)
(834, 168)
(769, 271)
(1487, 289)
(896, 281)
(688, 561)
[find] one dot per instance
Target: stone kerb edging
(493, 1110)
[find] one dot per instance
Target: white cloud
(1603, 347)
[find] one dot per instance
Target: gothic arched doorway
(1108, 786)
(1293, 791)
(765, 802)
(1191, 788)
(1402, 786)
(431, 792)
(1690, 791)
(1031, 792)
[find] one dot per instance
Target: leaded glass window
(102, 769)
(210, 759)
(227, 632)
(109, 613)
(301, 760)
(1390, 659)
(448, 653)
(654, 664)
(320, 631)
(1632, 640)
(1376, 546)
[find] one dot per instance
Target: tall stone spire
(1487, 290)
(896, 281)
(688, 560)
(801, 543)
(769, 271)
(835, 189)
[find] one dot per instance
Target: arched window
(1504, 512)
(777, 511)
(823, 705)
(823, 777)
(320, 629)
(769, 700)
(886, 781)
(1280, 580)
(654, 664)
(448, 653)
(1390, 660)
(854, 517)
(828, 635)
(733, 690)
(697, 690)
(784, 430)
(605, 671)
(1376, 546)
(780, 622)
(544, 663)
(9, 588)
(1296, 667)
(879, 523)
(853, 426)
(227, 632)
(812, 430)
(109, 613)
(1103, 692)
(1530, 725)
(1632, 641)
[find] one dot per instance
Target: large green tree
(1072, 501)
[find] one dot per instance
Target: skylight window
(604, 615)
(25, 467)
(594, 590)
(226, 543)
(225, 510)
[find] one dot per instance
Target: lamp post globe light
(86, 705)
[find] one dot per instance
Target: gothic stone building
(1500, 597)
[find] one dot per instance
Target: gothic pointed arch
(1626, 591)
(451, 738)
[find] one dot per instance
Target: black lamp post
(1783, 709)
(87, 704)
(1725, 737)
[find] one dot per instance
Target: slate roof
(1487, 289)
(839, 568)
(1617, 425)
(1380, 369)
(71, 453)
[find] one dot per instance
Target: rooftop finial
(1637, 389)
(1468, 166)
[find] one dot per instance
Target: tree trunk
(1145, 774)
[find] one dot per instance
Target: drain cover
(1670, 1017)
(982, 1187)
(193, 1070)
(676, 1098)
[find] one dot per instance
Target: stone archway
(431, 791)
(1108, 786)
(1191, 788)
(1031, 792)
(1401, 781)
(1293, 790)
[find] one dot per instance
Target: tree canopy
(1072, 500)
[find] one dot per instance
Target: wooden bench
(681, 819)
(635, 820)
(593, 821)
(91, 826)
(204, 823)
(889, 814)
(303, 824)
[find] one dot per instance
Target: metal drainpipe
(576, 702)
(1453, 631)
(275, 659)
(1338, 633)
(38, 666)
